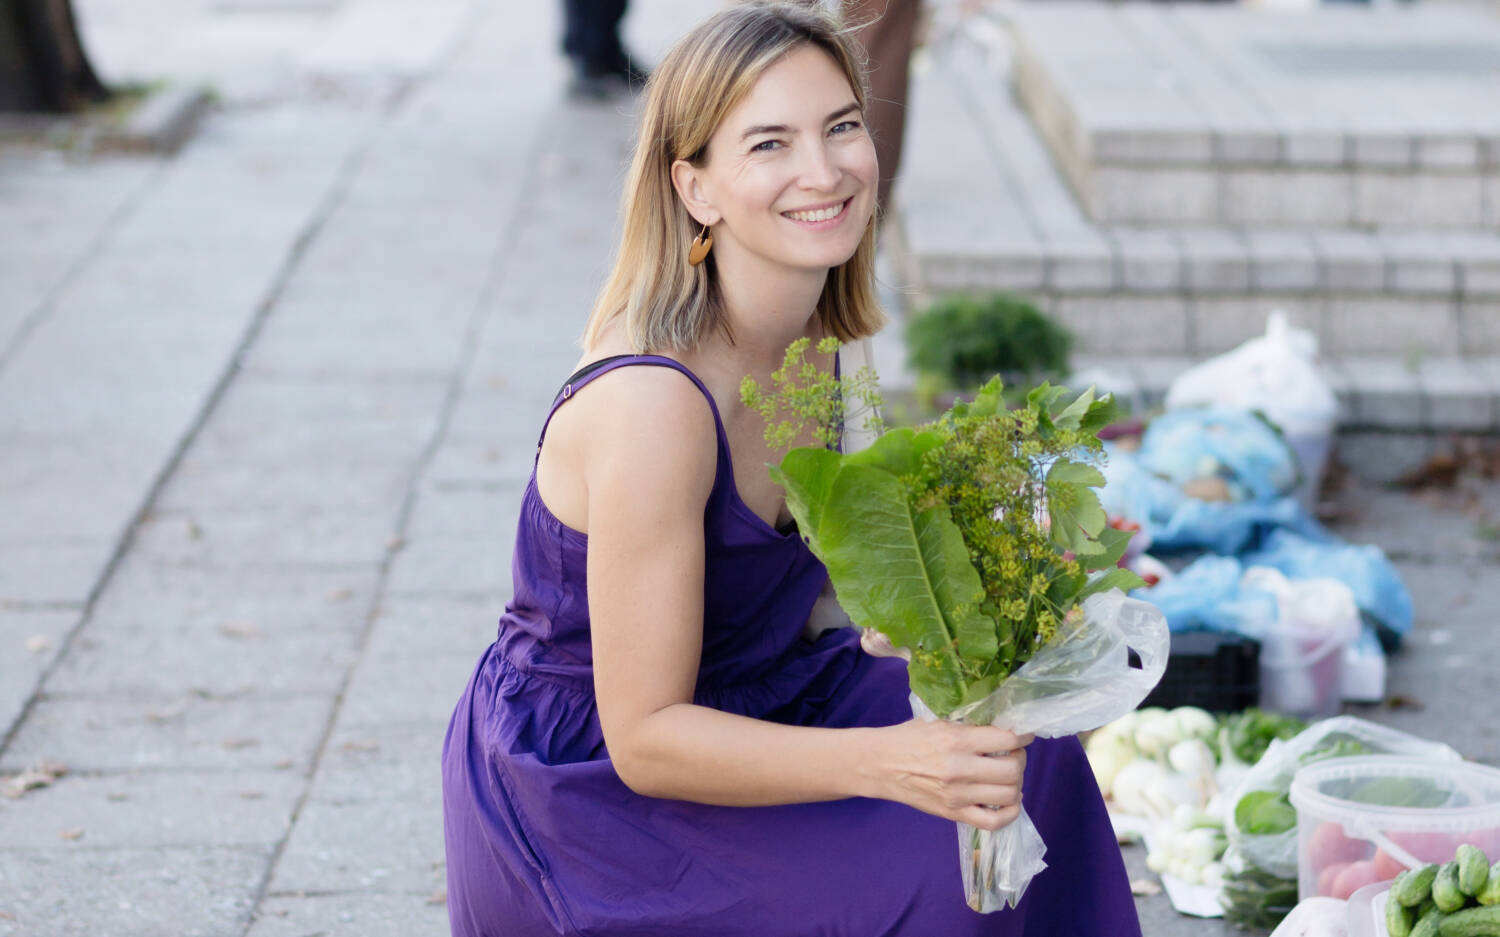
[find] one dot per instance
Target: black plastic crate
(1212, 670)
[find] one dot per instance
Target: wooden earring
(701, 246)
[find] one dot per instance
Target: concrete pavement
(266, 409)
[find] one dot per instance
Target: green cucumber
(1490, 893)
(1428, 924)
(1473, 869)
(1471, 922)
(1414, 885)
(1445, 891)
(1398, 918)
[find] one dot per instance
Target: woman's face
(791, 173)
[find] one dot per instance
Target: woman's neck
(767, 307)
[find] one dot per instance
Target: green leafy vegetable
(936, 536)
(1264, 813)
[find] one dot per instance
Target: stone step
(1229, 115)
(981, 206)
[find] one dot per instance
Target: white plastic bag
(1277, 374)
(1276, 853)
(1081, 681)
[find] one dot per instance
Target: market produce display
(1174, 768)
(1459, 898)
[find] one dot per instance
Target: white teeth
(822, 214)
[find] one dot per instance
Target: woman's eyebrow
(783, 128)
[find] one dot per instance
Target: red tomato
(1387, 866)
(1327, 877)
(1329, 845)
(1356, 875)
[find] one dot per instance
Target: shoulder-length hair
(667, 304)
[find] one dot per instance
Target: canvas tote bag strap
(857, 432)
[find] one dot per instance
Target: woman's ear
(687, 180)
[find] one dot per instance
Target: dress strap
(589, 372)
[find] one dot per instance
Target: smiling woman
(652, 745)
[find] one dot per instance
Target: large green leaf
(1123, 579)
(807, 474)
(1065, 472)
(898, 451)
(905, 573)
(1114, 542)
(1072, 415)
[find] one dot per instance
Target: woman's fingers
(987, 819)
(990, 740)
(984, 795)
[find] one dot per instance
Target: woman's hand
(968, 773)
(877, 644)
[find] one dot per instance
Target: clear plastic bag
(1276, 853)
(1081, 681)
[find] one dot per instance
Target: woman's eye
(845, 126)
(765, 146)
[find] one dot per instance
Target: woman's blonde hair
(667, 304)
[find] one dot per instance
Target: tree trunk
(42, 63)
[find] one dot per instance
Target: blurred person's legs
(591, 39)
(888, 29)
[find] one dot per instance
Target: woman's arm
(648, 479)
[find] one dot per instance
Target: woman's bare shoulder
(649, 415)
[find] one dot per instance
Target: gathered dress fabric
(544, 839)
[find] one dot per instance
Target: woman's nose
(819, 171)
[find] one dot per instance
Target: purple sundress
(544, 839)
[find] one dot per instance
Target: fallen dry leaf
(1145, 887)
(438, 897)
(361, 745)
(167, 713)
(76, 833)
(240, 741)
(284, 764)
(240, 629)
(252, 795)
(116, 797)
(38, 643)
(42, 775)
(395, 543)
(339, 595)
(194, 532)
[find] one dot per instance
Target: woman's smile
(820, 218)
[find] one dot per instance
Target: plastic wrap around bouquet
(977, 545)
(1081, 681)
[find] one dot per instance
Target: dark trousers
(591, 31)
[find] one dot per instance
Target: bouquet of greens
(978, 544)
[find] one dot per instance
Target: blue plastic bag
(1377, 587)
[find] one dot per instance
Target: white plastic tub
(1362, 820)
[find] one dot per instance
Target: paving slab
(144, 592)
(443, 566)
(404, 678)
(198, 731)
(155, 657)
(352, 915)
(289, 538)
(369, 846)
(203, 891)
(30, 641)
(155, 809)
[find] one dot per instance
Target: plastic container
(1366, 911)
(1302, 651)
(1362, 820)
(1302, 672)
